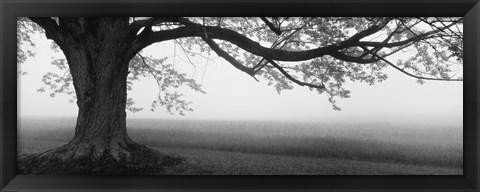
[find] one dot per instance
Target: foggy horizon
(438, 120)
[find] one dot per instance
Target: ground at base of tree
(213, 162)
(143, 161)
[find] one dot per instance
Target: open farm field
(270, 148)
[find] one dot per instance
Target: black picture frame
(10, 9)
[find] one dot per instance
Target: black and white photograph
(240, 96)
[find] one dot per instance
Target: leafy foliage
(168, 80)
(435, 57)
(361, 47)
(25, 43)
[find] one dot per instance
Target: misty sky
(231, 94)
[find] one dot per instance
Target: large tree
(103, 56)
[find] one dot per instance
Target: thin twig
(412, 75)
(288, 76)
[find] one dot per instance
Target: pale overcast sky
(231, 94)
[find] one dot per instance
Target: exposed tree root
(70, 159)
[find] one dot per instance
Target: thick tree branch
(52, 30)
(386, 40)
(196, 30)
(135, 26)
(216, 48)
(369, 31)
(208, 33)
(283, 41)
(271, 26)
(348, 58)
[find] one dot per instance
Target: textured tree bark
(96, 51)
(101, 94)
(96, 56)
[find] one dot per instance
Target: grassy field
(241, 147)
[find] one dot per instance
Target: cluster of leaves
(25, 43)
(169, 81)
(437, 45)
(440, 57)
(55, 83)
(301, 34)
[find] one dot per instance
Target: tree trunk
(96, 51)
(101, 101)
(101, 94)
(96, 57)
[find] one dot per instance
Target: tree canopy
(103, 57)
(321, 53)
